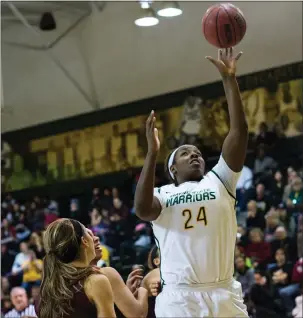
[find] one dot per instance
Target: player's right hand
(152, 137)
(154, 288)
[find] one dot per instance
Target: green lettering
(181, 199)
(176, 201)
(205, 196)
(199, 196)
(169, 202)
(188, 198)
(212, 195)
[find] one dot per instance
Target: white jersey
(196, 230)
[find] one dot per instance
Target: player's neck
(180, 182)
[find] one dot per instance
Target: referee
(22, 308)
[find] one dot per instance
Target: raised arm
(147, 206)
(98, 289)
(235, 144)
(123, 297)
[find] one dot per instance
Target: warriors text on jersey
(196, 230)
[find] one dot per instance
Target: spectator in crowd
(287, 220)
(22, 232)
(8, 232)
(272, 222)
(35, 292)
(32, 271)
(289, 293)
(239, 252)
(95, 217)
(244, 275)
(263, 164)
(51, 215)
(7, 259)
(243, 185)
(5, 287)
(96, 199)
(106, 200)
(142, 243)
(291, 176)
(257, 249)
(119, 211)
(282, 241)
(74, 212)
(277, 187)
(281, 270)
(21, 259)
(255, 218)
(264, 298)
(22, 307)
(100, 223)
(295, 198)
(242, 236)
(262, 199)
(36, 244)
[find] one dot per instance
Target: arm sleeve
(228, 177)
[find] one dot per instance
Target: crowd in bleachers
(269, 247)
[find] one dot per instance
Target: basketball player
(194, 219)
(71, 287)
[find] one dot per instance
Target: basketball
(223, 25)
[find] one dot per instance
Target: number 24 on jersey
(188, 215)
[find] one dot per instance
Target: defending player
(194, 219)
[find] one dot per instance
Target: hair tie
(51, 252)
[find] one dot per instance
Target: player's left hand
(134, 280)
(226, 62)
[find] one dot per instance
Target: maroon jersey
(80, 304)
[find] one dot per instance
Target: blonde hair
(62, 241)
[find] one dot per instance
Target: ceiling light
(147, 17)
(169, 9)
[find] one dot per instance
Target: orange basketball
(223, 25)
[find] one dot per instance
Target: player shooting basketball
(194, 219)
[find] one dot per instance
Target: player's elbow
(148, 212)
(240, 132)
(139, 312)
(143, 213)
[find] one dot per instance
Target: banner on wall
(115, 146)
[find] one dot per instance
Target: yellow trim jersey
(196, 230)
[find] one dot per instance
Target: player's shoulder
(166, 189)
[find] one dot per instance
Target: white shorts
(223, 299)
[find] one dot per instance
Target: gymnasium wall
(110, 141)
